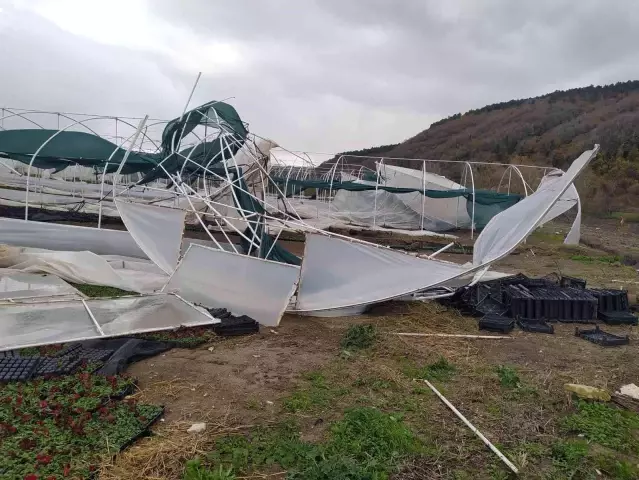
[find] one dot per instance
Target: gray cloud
(322, 75)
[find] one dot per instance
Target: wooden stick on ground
(452, 335)
(473, 428)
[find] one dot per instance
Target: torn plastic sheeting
(53, 236)
(77, 267)
(512, 226)
(569, 199)
(28, 325)
(243, 285)
(337, 273)
(157, 231)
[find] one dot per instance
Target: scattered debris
(631, 390)
(588, 392)
(197, 428)
(473, 428)
(605, 339)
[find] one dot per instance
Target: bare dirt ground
(236, 384)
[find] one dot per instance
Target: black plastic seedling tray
(232, 326)
(618, 318)
(572, 282)
(611, 300)
(496, 323)
(57, 366)
(605, 339)
(535, 326)
(17, 368)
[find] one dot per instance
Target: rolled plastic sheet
(53, 236)
(337, 273)
(243, 285)
(512, 226)
(157, 231)
(27, 325)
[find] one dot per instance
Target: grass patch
(615, 468)
(365, 444)
(97, 291)
(547, 237)
(195, 471)
(568, 458)
(508, 376)
(606, 259)
(629, 217)
(358, 337)
(606, 425)
(314, 393)
(441, 370)
(183, 337)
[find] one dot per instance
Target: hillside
(549, 130)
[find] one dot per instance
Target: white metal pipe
(106, 166)
(443, 249)
(501, 456)
(472, 220)
(95, 322)
(423, 193)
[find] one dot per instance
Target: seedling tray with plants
(61, 427)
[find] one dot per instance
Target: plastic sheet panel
(66, 321)
(569, 199)
(68, 238)
(124, 316)
(361, 208)
(244, 285)
(450, 211)
(40, 324)
(27, 285)
(337, 273)
(511, 227)
(156, 230)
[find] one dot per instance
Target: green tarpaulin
(486, 203)
(69, 148)
(61, 149)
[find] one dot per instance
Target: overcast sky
(322, 75)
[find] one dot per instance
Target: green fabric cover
(215, 114)
(69, 148)
(487, 203)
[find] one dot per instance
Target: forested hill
(552, 129)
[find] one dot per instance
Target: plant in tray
(56, 428)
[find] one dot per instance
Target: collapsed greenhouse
(196, 208)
